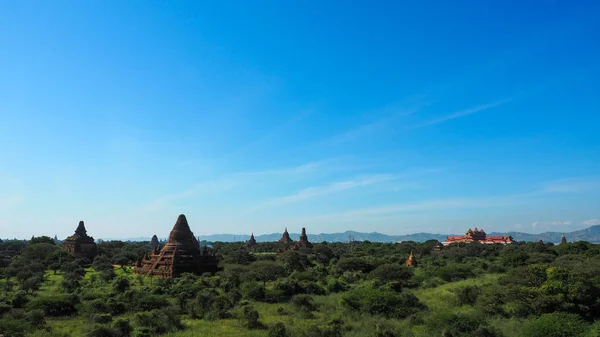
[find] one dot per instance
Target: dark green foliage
(250, 318)
(354, 264)
(555, 325)
(467, 295)
(381, 302)
(122, 326)
(303, 302)
(56, 305)
(102, 331)
(159, 321)
(121, 284)
(42, 239)
(36, 318)
(254, 291)
(392, 272)
(277, 330)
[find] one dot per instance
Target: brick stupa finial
(411, 262)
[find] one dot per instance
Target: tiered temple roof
(80, 243)
(181, 254)
(285, 238)
(478, 235)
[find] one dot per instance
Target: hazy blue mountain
(591, 234)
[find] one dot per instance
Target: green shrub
(250, 318)
(380, 302)
(159, 321)
(56, 305)
(277, 330)
(36, 318)
(122, 326)
(467, 295)
(555, 325)
(102, 331)
(102, 318)
(303, 302)
(254, 291)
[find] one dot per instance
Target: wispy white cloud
(462, 113)
(315, 191)
(373, 126)
(592, 222)
(399, 209)
(569, 185)
(227, 182)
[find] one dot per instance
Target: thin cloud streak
(227, 182)
(315, 191)
(579, 184)
(592, 222)
(462, 113)
(371, 127)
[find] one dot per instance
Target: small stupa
(563, 240)
(285, 238)
(251, 241)
(154, 242)
(80, 243)
(181, 254)
(411, 262)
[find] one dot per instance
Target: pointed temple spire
(80, 243)
(303, 242)
(563, 240)
(411, 262)
(251, 241)
(81, 229)
(285, 238)
(154, 242)
(180, 255)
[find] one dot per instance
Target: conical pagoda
(563, 240)
(285, 238)
(411, 262)
(80, 243)
(154, 242)
(180, 255)
(251, 241)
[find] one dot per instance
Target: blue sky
(395, 117)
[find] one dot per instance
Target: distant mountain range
(591, 234)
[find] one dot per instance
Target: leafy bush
(467, 295)
(254, 291)
(303, 302)
(277, 330)
(56, 305)
(555, 325)
(250, 318)
(380, 302)
(159, 321)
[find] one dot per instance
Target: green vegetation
(351, 289)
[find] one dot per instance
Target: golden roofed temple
(181, 254)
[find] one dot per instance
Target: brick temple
(181, 254)
(478, 235)
(80, 243)
(285, 238)
(302, 242)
